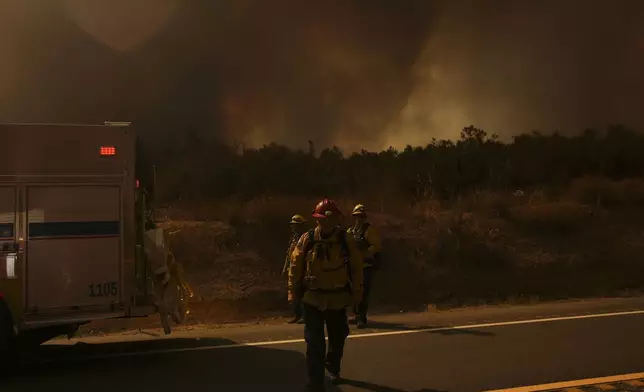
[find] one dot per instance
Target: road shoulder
(277, 330)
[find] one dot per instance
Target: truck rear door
(74, 248)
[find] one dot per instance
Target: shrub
(553, 218)
(606, 193)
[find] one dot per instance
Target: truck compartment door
(11, 275)
(74, 249)
(7, 215)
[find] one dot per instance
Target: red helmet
(326, 208)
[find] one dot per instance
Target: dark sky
(356, 73)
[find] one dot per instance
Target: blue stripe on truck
(74, 229)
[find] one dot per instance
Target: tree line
(193, 167)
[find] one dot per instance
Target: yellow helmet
(298, 219)
(358, 210)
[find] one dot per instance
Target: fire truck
(73, 220)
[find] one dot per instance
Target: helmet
(326, 208)
(358, 210)
(297, 219)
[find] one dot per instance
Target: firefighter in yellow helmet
(326, 272)
(368, 241)
(298, 227)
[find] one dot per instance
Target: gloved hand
(166, 278)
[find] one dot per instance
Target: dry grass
(488, 247)
(600, 191)
(551, 218)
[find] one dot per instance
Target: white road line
(365, 335)
(575, 383)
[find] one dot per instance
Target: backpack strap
(375, 262)
(310, 241)
(307, 248)
(342, 240)
(365, 227)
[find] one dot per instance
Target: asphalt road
(490, 348)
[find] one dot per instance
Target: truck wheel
(8, 346)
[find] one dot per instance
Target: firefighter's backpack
(327, 262)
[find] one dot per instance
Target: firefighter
(298, 228)
(326, 273)
(169, 286)
(368, 241)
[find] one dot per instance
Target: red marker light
(108, 151)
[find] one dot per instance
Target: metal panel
(7, 214)
(49, 149)
(81, 203)
(73, 247)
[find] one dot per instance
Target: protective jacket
(368, 242)
(289, 251)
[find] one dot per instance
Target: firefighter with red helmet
(326, 273)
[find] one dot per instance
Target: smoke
(331, 72)
(358, 74)
(516, 66)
